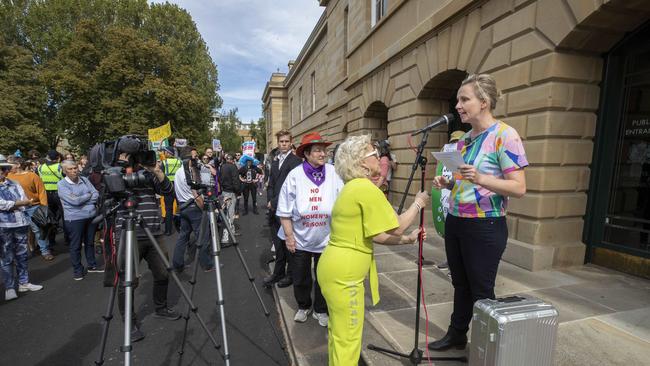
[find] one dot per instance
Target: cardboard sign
(180, 142)
(216, 145)
(248, 148)
(160, 133)
(158, 145)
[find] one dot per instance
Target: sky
(250, 39)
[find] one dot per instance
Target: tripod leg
(108, 316)
(267, 314)
(216, 252)
(192, 283)
(178, 283)
(128, 287)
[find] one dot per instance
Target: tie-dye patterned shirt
(496, 151)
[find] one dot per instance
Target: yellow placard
(160, 133)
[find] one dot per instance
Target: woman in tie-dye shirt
(475, 230)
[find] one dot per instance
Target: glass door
(617, 224)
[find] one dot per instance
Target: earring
(367, 172)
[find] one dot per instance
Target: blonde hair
(485, 88)
(349, 156)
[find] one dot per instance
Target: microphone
(444, 120)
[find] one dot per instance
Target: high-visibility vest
(170, 166)
(50, 175)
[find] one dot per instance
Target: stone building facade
(389, 67)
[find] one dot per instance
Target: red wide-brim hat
(309, 139)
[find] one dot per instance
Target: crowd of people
(327, 207)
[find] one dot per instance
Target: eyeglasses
(374, 153)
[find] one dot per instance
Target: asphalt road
(61, 324)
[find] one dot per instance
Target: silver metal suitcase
(513, 331)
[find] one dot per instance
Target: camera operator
(190, 203)
(149, 210)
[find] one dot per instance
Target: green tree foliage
(227, 131)
(258, 133)
(112, 67)
(21, 101)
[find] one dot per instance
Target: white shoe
(224, 236)
(29, 287)
(301, 315)
(322, 318)
(10, 294)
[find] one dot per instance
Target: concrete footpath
(604, 315)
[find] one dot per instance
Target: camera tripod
(128, 252)
(209, 226)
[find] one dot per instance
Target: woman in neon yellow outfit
(360, 216)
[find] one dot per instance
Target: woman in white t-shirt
(304, 208)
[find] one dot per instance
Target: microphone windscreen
(129, 146)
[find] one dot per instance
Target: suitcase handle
(509, 299)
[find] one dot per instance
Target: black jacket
(277, 177)
(229, 178)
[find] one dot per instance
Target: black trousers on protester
(250, 188)
(302, 281)
(282, 254)
(54, 204)
(474, 248)
(169, 212)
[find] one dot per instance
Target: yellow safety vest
(170, 166)
(50, 175)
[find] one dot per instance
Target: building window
(313, 91)
(291, 111)
(377, 11)
(300, 103)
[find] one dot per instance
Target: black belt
(184, 205)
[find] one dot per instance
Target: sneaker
(95, 270)
(10, 294)
(443, 265)
(301, 315)
(322, 318)
(48, 257)
(24, 287)
(167, 314)
(78, 277)
(136, 335)
(224, 236)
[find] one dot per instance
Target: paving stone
(635, 322)
(593, 342)
(570, 306)
(391, 297)
(617, 296)
(538, 279)
(437, 288)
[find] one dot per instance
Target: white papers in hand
(452, 160)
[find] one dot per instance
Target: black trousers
(160, 278)
(282, 254)
(474, 248)
(54, 203)
(303, 281)
(250, 188)
(169, 212)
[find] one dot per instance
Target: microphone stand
(416, 355)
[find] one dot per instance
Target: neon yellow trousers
(341, 272)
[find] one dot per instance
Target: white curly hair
(349, 156)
